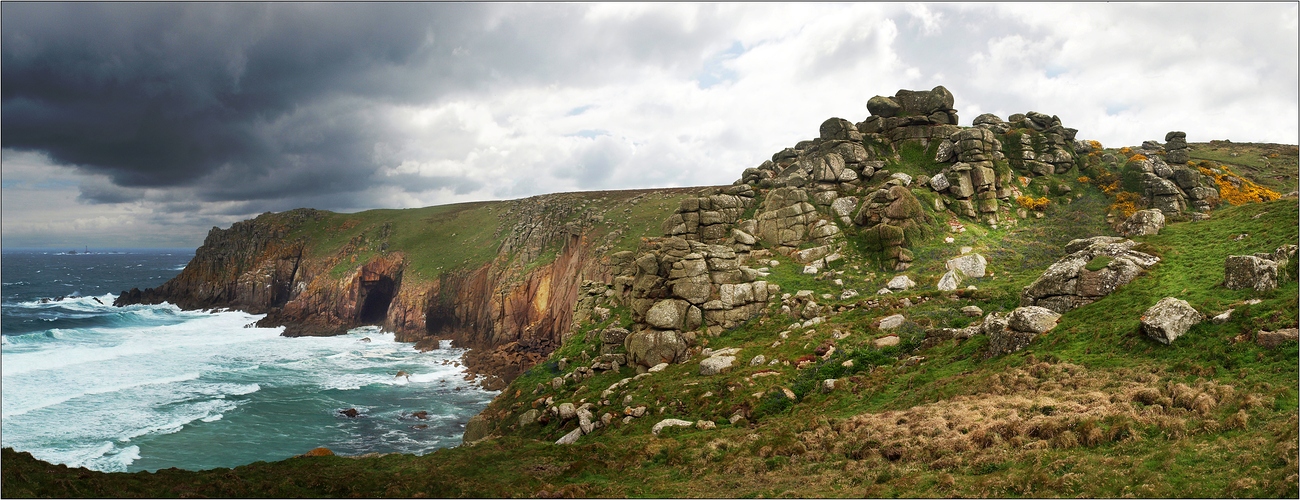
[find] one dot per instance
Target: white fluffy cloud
(651, 95)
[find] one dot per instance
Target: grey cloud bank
(144, 124)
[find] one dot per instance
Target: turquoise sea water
(151, 387)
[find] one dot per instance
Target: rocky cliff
(511, 308)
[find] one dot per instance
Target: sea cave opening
(376, 295)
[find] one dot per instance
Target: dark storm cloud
(260, 101)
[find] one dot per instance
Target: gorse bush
(1236, 189)
(1126, 203)
(1031, 203)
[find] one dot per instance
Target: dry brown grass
(1037, 407)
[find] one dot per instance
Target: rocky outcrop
(1093, 268)
(710, 217)
(1169, 319)
(250, 266)
(920, 115)
(1168, 182)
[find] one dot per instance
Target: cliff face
(512, 310)
(252, 266)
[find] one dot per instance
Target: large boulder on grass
(1169, 319)
(1248, 271)
(1094, 268)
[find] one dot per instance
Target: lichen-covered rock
(891, 322)
(901, 282)
(476, 429)
(1069, 283)
(667, 314)
(950, 281)
(1169, 319)
(651, 347)
(669, 422)
(714, 365)
(1033, 319)
(1143, 222)
(1248, 271)
(1270, 340)
(971, 265)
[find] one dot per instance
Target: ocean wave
(60, 399)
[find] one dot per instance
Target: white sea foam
(85, 396)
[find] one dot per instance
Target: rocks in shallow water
(1143, 222)
(1169, 319)
(350, 413)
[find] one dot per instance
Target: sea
(148, 387)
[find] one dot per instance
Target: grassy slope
(466, 235)
(1092, 397)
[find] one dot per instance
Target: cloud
(183, 115)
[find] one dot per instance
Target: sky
(147, 124)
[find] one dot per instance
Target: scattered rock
(758, 360)
(901, 282)
(669, 422)
(476, 429)
(714, 365)
(950, 281)
(1169, 319)
(883, 342)
(571, 437)
(528, 417)
(1033, 319)
(1248, 271)
(972, 311)
(891, 322)
(651, 347)
(971, 265)
(828, 385)
(1270, 340)
(1069, 283)
(705, 425)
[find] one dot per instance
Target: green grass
(814, 444)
